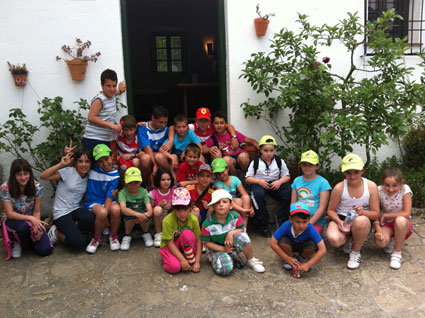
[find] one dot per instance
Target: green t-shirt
(172, 227)
(135, 202)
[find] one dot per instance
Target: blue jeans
(71, 226)
(283, 195)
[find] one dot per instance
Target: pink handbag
(7, 241)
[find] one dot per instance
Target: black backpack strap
(201, 195)
(214, 139)
(279, 163)
(256, 162)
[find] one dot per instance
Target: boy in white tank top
(354, 193)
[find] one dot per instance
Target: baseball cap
(352, 162)
(100, 151)
(218, 165)
(132, 174)
(310, 156)
(267, 140)
(219, 194)
(203, 112)
(181, 196)
(204, 167)
(299, 207)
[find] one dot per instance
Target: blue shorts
(130, 217)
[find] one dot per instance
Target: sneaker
(287, 267)
(147, 237)
(92, 247)
(354, 261)
(395, 262)
(346, 248)
(125, 243)
(209, 257)
(16, 250)
(106, 231)
(256, 265)
(204, 250)
(52, 235)
(157, 239)
(389, 249)
(114, 244)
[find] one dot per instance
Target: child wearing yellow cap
(135, 206)
(356, 195)
(312, 189)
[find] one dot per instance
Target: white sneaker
(114, 244)
(125, 243)
(52, 235)
(157, 239)
(389, 249)
(16, 250)
(346, 248)
(93, 245)
(256, 265)
(147, 237)
(354, 261)
(395, 262)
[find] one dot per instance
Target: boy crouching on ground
(223, 233)
(298, 235)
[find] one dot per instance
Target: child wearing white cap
(223, 233)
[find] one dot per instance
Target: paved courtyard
(133, 284)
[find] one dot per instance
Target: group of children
(194, 205)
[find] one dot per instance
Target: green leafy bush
(414, 145)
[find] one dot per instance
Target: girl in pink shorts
(394, 225)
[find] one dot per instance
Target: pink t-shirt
(394, 203)
(225, 143)
(156, 197)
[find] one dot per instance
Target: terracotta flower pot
(20, 79)
(77, 68)
(261, 26)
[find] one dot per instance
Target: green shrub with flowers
(330, 112)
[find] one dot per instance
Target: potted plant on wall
(78, 63)
(262, 22)
(19, 74)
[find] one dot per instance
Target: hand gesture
(167, 146)
(116, 128)
(69, 149)
(167, 206)
(37, 224)
(303, 268)
(114, 193)
(235, 143)
(379, 235)
(384, 218)
(67, 159)
(275, 185)
(204, 203)
(228, 241)
(128, 156)
(215, 152)
(122, 87)
(293, 262)
(141, 218)
(36, 235)
(340, 226)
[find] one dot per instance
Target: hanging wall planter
(19, 74)
(78, 63)
(262, 23)
(77, 68)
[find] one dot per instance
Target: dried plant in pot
(77, 64)
(19, 73)
(262, 22)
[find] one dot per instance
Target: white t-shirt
(70, 192)
(268, 173)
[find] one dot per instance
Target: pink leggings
(171, 262)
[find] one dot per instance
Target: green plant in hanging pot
(78, 63)
(262, 22)
(19, 73)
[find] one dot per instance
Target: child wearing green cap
(135, 206)
(268, 174)
(232, 185)
(103, 180)
(312, 189)
(356, 195)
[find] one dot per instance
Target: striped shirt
(151, 137)
(127, 148)
(107, 113)
(215, 232)
(100, 185)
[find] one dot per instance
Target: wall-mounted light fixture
(209, 48)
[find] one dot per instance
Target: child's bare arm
(186, 183)
(293, 196)
(215, 247)
(197, 266)
(169, 144)
(94, 119)
(323, 203)
(176, 252)
(252, 142)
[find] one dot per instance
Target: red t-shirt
(202, 136)
(186, 173)
(193, 190)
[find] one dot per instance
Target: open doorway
(172, 51)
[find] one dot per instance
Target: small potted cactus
(77, 64)
(262, 22)
(19, 74)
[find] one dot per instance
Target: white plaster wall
(242, 42)
(33, 32)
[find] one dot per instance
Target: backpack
(276, 158)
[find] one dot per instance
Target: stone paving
(133, 284)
